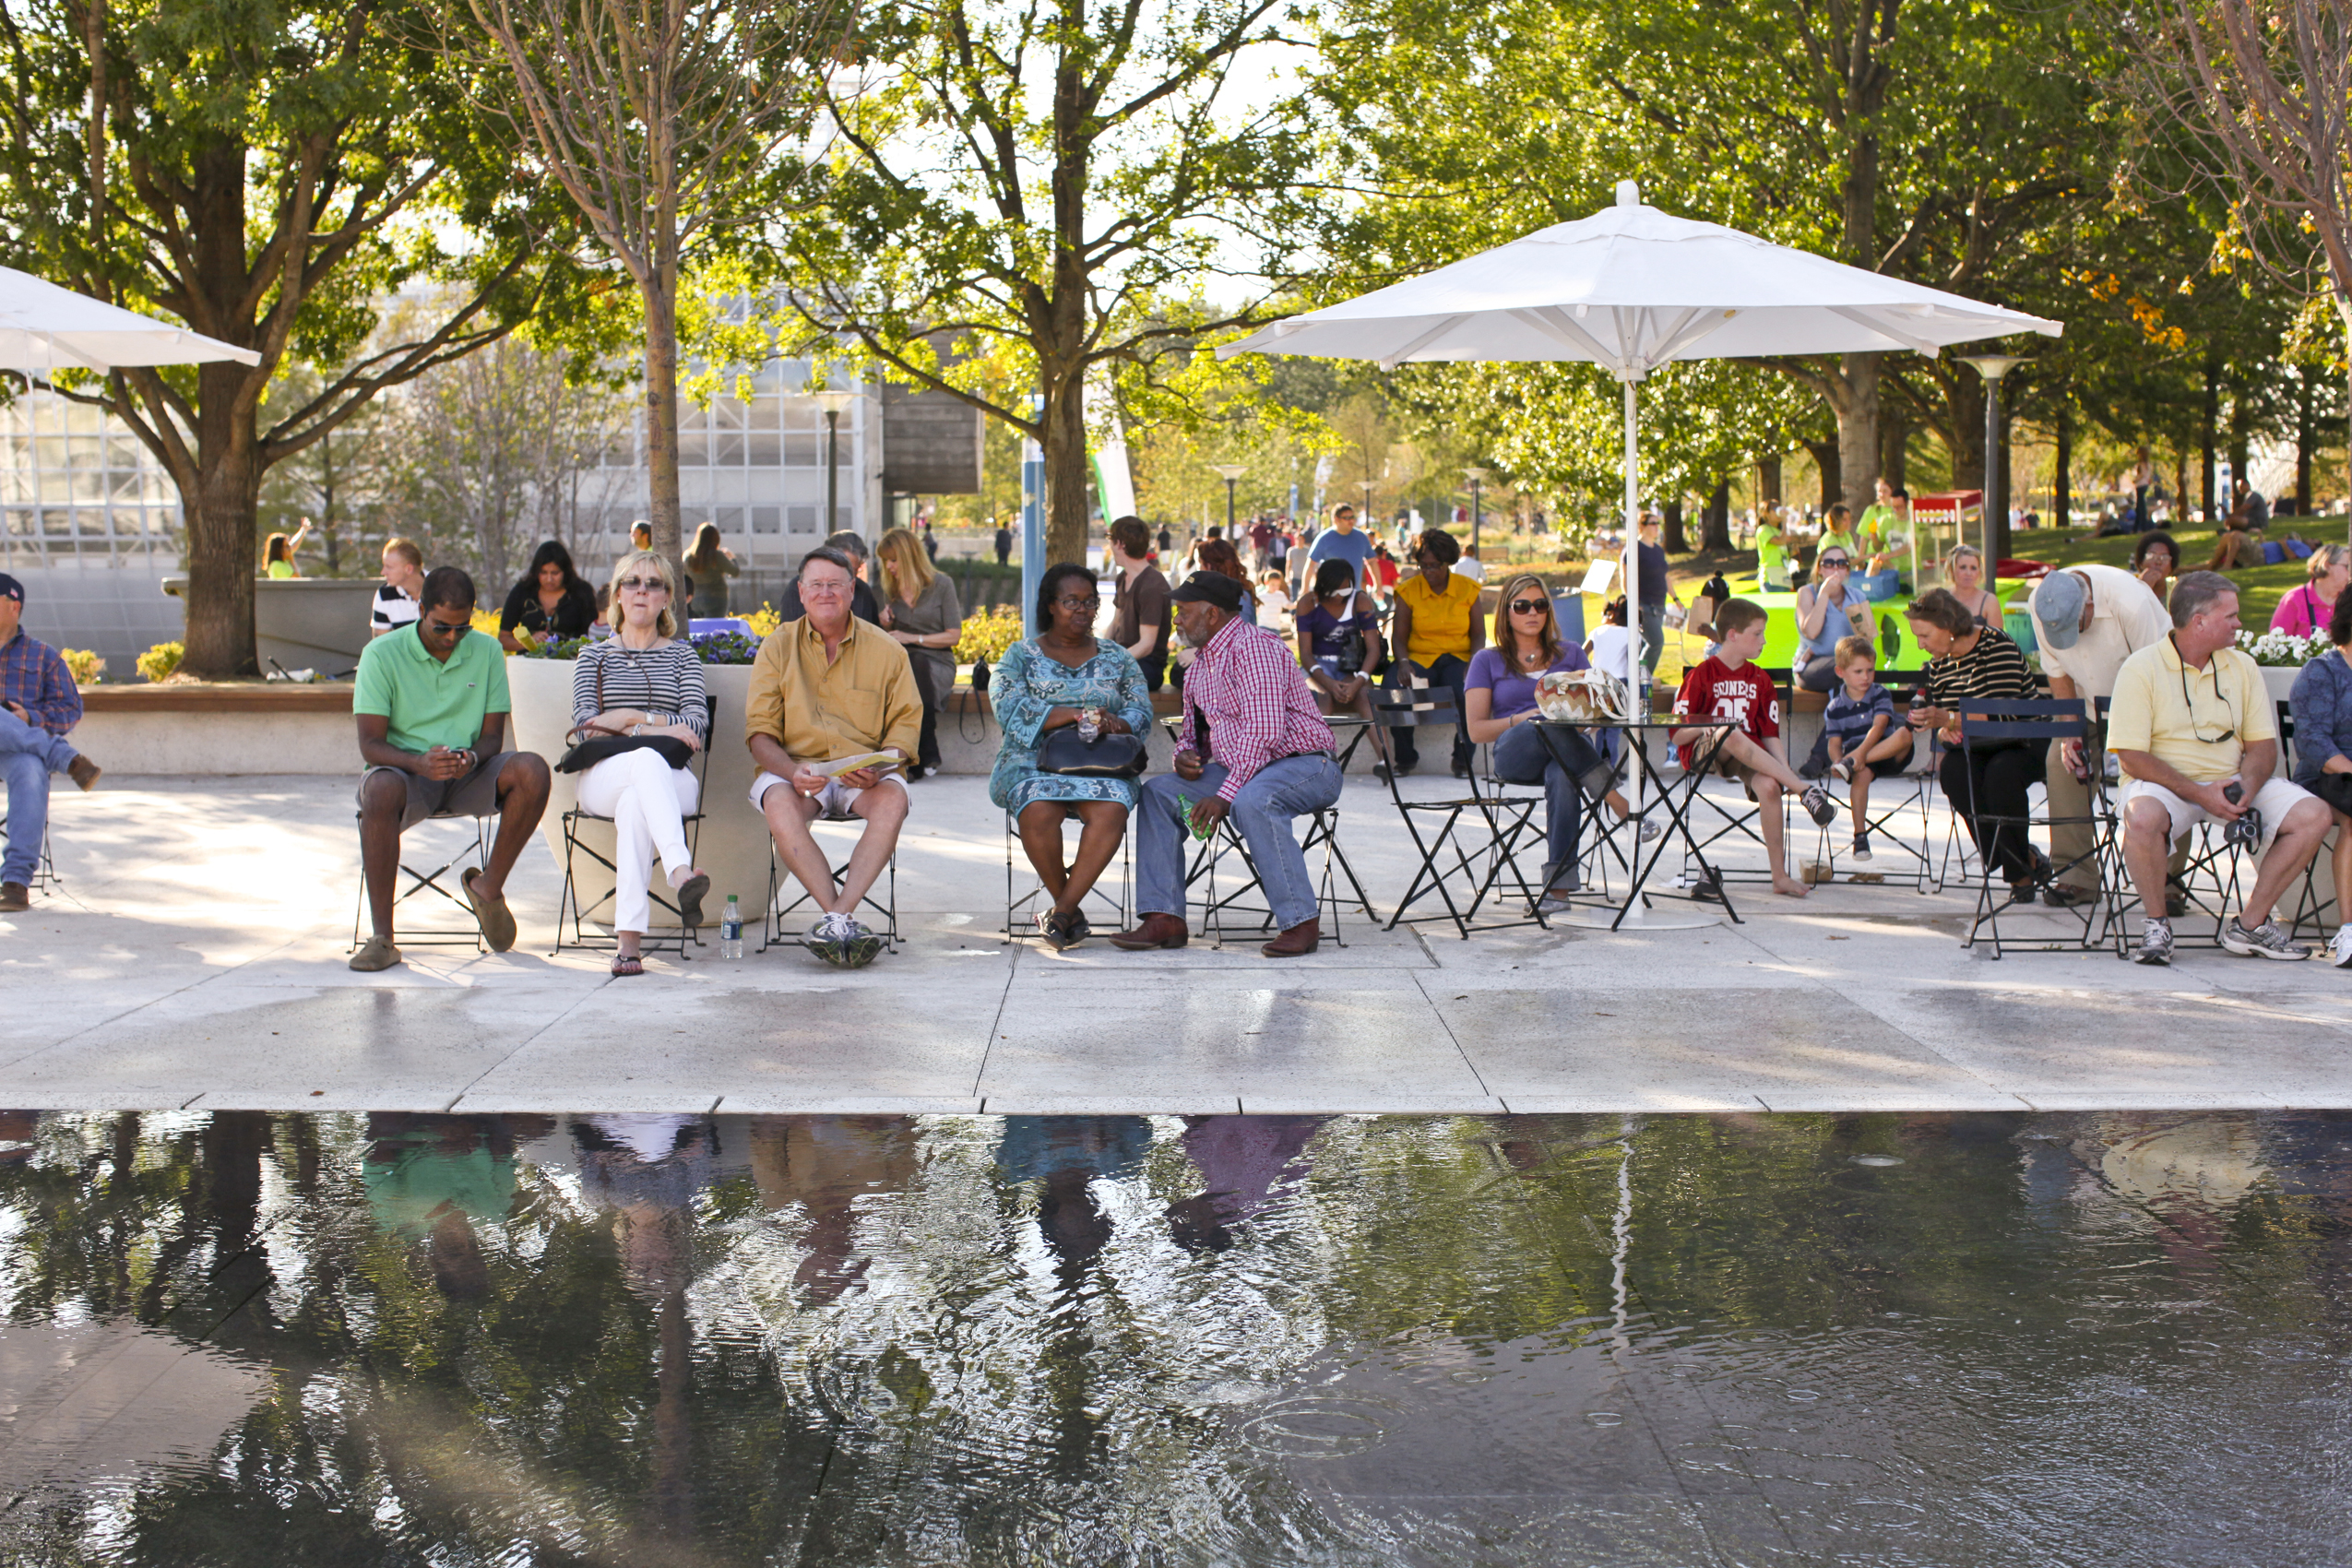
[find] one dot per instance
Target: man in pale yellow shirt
(2191, 721)
(825, 688)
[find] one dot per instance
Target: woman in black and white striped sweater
(643, 679)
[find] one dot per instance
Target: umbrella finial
(1628, 193)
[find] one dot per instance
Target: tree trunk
(221, 526)
(1714, 532)
(2209, 420)
(1768, 479)
(661, 293)
(1855, 406)
(2303, 435)
(1893, 439)
(1676, 543)
(2004, 546)
(2062, 478)
(1827, 467)
(1062, 437)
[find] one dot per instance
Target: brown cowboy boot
(1295, 943)
(1158, 931)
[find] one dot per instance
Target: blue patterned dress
(1026, 684)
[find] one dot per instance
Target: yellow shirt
(2163, 706)
(863, 700)
(1441, 617)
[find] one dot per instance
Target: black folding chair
(1913, 788)
(574, 845)
(44, 870)
(1323, 833)
(471, 852)
(773, 919)
(1988, 722)
(2312, 906)
(1019, 912)
(1496, 824)
(1744, 819)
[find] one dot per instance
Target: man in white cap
(2088, 620)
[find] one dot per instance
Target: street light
(1231, 471)
(1477, 477)
(1992, 367)
(833, 403)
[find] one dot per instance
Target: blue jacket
(2323, 704)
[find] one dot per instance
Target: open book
(841, 765)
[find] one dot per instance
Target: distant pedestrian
(1003, 544)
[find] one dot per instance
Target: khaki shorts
(834, 800)
(471, 794)
(2275, 800)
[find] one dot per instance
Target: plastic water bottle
(730, 930)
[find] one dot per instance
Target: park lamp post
(833, 403)
(1993, 530)
(1476, 478)
(1232, 471)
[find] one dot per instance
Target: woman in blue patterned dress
(1042, 684)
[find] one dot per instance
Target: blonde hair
(2329, 555)
(898, 551)
(665, 624)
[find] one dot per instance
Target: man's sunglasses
(438, 629)
(1522, 606)
(645, 585)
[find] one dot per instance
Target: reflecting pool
(1873, 1339)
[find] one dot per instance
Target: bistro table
(1674, 795)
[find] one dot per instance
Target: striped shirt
(35, 677)
(395, 607)
(665, 682)
(1257, 700)
(1994, 667)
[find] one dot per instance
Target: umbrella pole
(1636, 677)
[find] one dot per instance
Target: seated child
(1863, 738)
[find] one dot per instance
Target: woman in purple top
(1339, 643)
(1499, 706)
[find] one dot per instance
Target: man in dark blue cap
(39, 702)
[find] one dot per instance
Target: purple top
(1515, 693)
(1330, 634)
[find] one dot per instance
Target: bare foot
(1789, 887)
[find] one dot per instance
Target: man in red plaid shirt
(38, 704)
(1246, 706)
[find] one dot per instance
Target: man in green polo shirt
(431, 702)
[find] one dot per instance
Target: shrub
(988, 635)
(486, 620)
(159, 662)
(764, 620)
(87, 669)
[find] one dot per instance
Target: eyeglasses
(824, 586)
(1072, 602)
(1528, 606)
(1827, 561)
(438, 629)
(644, 585)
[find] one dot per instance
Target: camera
(2246, 832)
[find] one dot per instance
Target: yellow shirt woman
(1441, 617)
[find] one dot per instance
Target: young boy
(1861, 732)
(1732, 685)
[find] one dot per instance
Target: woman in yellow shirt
(1433, 633)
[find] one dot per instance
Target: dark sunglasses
(1834, 561)
(1521, 606)
(438, 629)
(645, 585)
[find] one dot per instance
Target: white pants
(647, 799)
(2274, 800)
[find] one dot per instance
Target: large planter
(733, 841)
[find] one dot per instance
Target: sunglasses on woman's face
(1528, 606)
(1828, 560)
(644, 585)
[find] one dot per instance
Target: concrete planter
(732, 844)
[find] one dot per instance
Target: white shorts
(833, 800)
(2274, 800)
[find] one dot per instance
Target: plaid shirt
(35, 679)
(1257, 700)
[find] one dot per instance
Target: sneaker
(859, 948)
(1818, 806)
(2339, 947)
(826, 938)
(2156, 943)
(1708, 889)
(2265, 940)
(1861, 845)
(1842, 770)
(1651, 827)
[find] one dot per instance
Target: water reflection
(2086, 1338)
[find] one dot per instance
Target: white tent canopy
(44, 328)
(1631, 289)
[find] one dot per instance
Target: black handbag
(1065, 751)
(603, 743)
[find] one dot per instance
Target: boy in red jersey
(1731, 685)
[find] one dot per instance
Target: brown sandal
(628, 964)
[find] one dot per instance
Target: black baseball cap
(1210, 587)
(11, 588)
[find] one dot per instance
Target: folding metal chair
(574, 845)
(44, 869)
(1497, 824)
(1729, 819)
(1997, 721)
(1019, 912)
(1323, 833)
(477, 848)
(2312, 906)
(1912, 789)
(773, 919)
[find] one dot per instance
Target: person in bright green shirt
(431, 703)
(1772, 550)
(278, 554)
(1886, 532)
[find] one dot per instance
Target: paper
(842, 764)
(1598, 576)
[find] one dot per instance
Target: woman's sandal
(628, 964)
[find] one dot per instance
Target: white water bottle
(730, 930)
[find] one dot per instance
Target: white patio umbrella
(1631, 289)
(44, 328)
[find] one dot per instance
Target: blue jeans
(29, 755)
(1521, 757)
(1262, 810)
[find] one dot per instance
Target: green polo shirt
(428, 702)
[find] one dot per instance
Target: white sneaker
(2339, 947)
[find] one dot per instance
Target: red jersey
(1711, 689)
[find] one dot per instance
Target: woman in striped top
(1972, 660)
(644, 680)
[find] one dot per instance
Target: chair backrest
(1402, 708)
(1993, 719)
